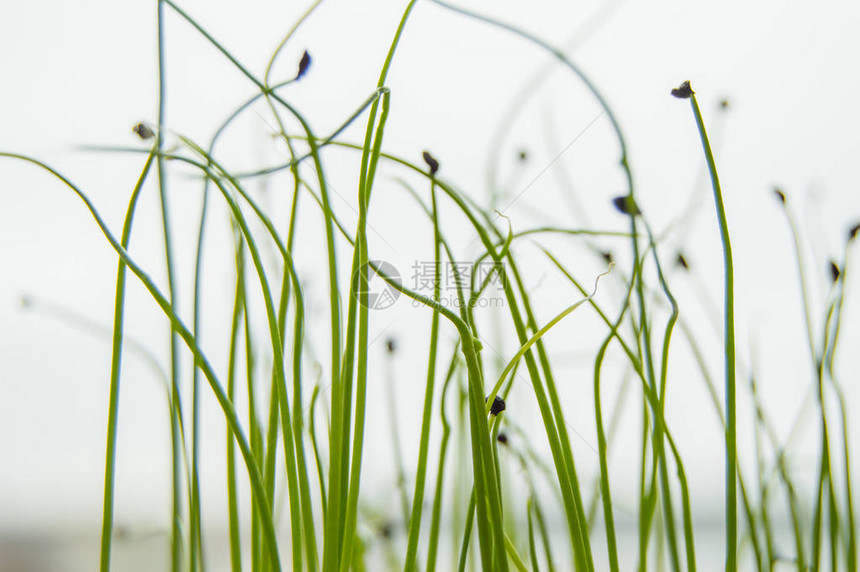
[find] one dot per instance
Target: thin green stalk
(488, 500)
(609, 520)
(495, 424)
(318, 460)
(116, 361)
(232, 492)
(731, 383)
(817, 360)
(614, 423)
(358, 297)
(253, 428)
(369, 160)
(176, 531)
(290, 284)
(290, 278)
(544, 534)
(397, 449)
(763, 493)
(485, 476)
(461, 483)
(749, 509)
(815, 558)
(514, 556)
(782, 469)
(851, 556)
(664, 371)
(833, 512)
(435, 519)
(424, 439)
(296, 432)
(298, 426)
(195, 509)
(467, 533)
(271, 447)
(307, 514)
(343, 487)
(646, 507)
(605, 494)
(532, 546)
(658, 459)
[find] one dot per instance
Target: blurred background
(778, 89)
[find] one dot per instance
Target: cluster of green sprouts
(323, 465)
